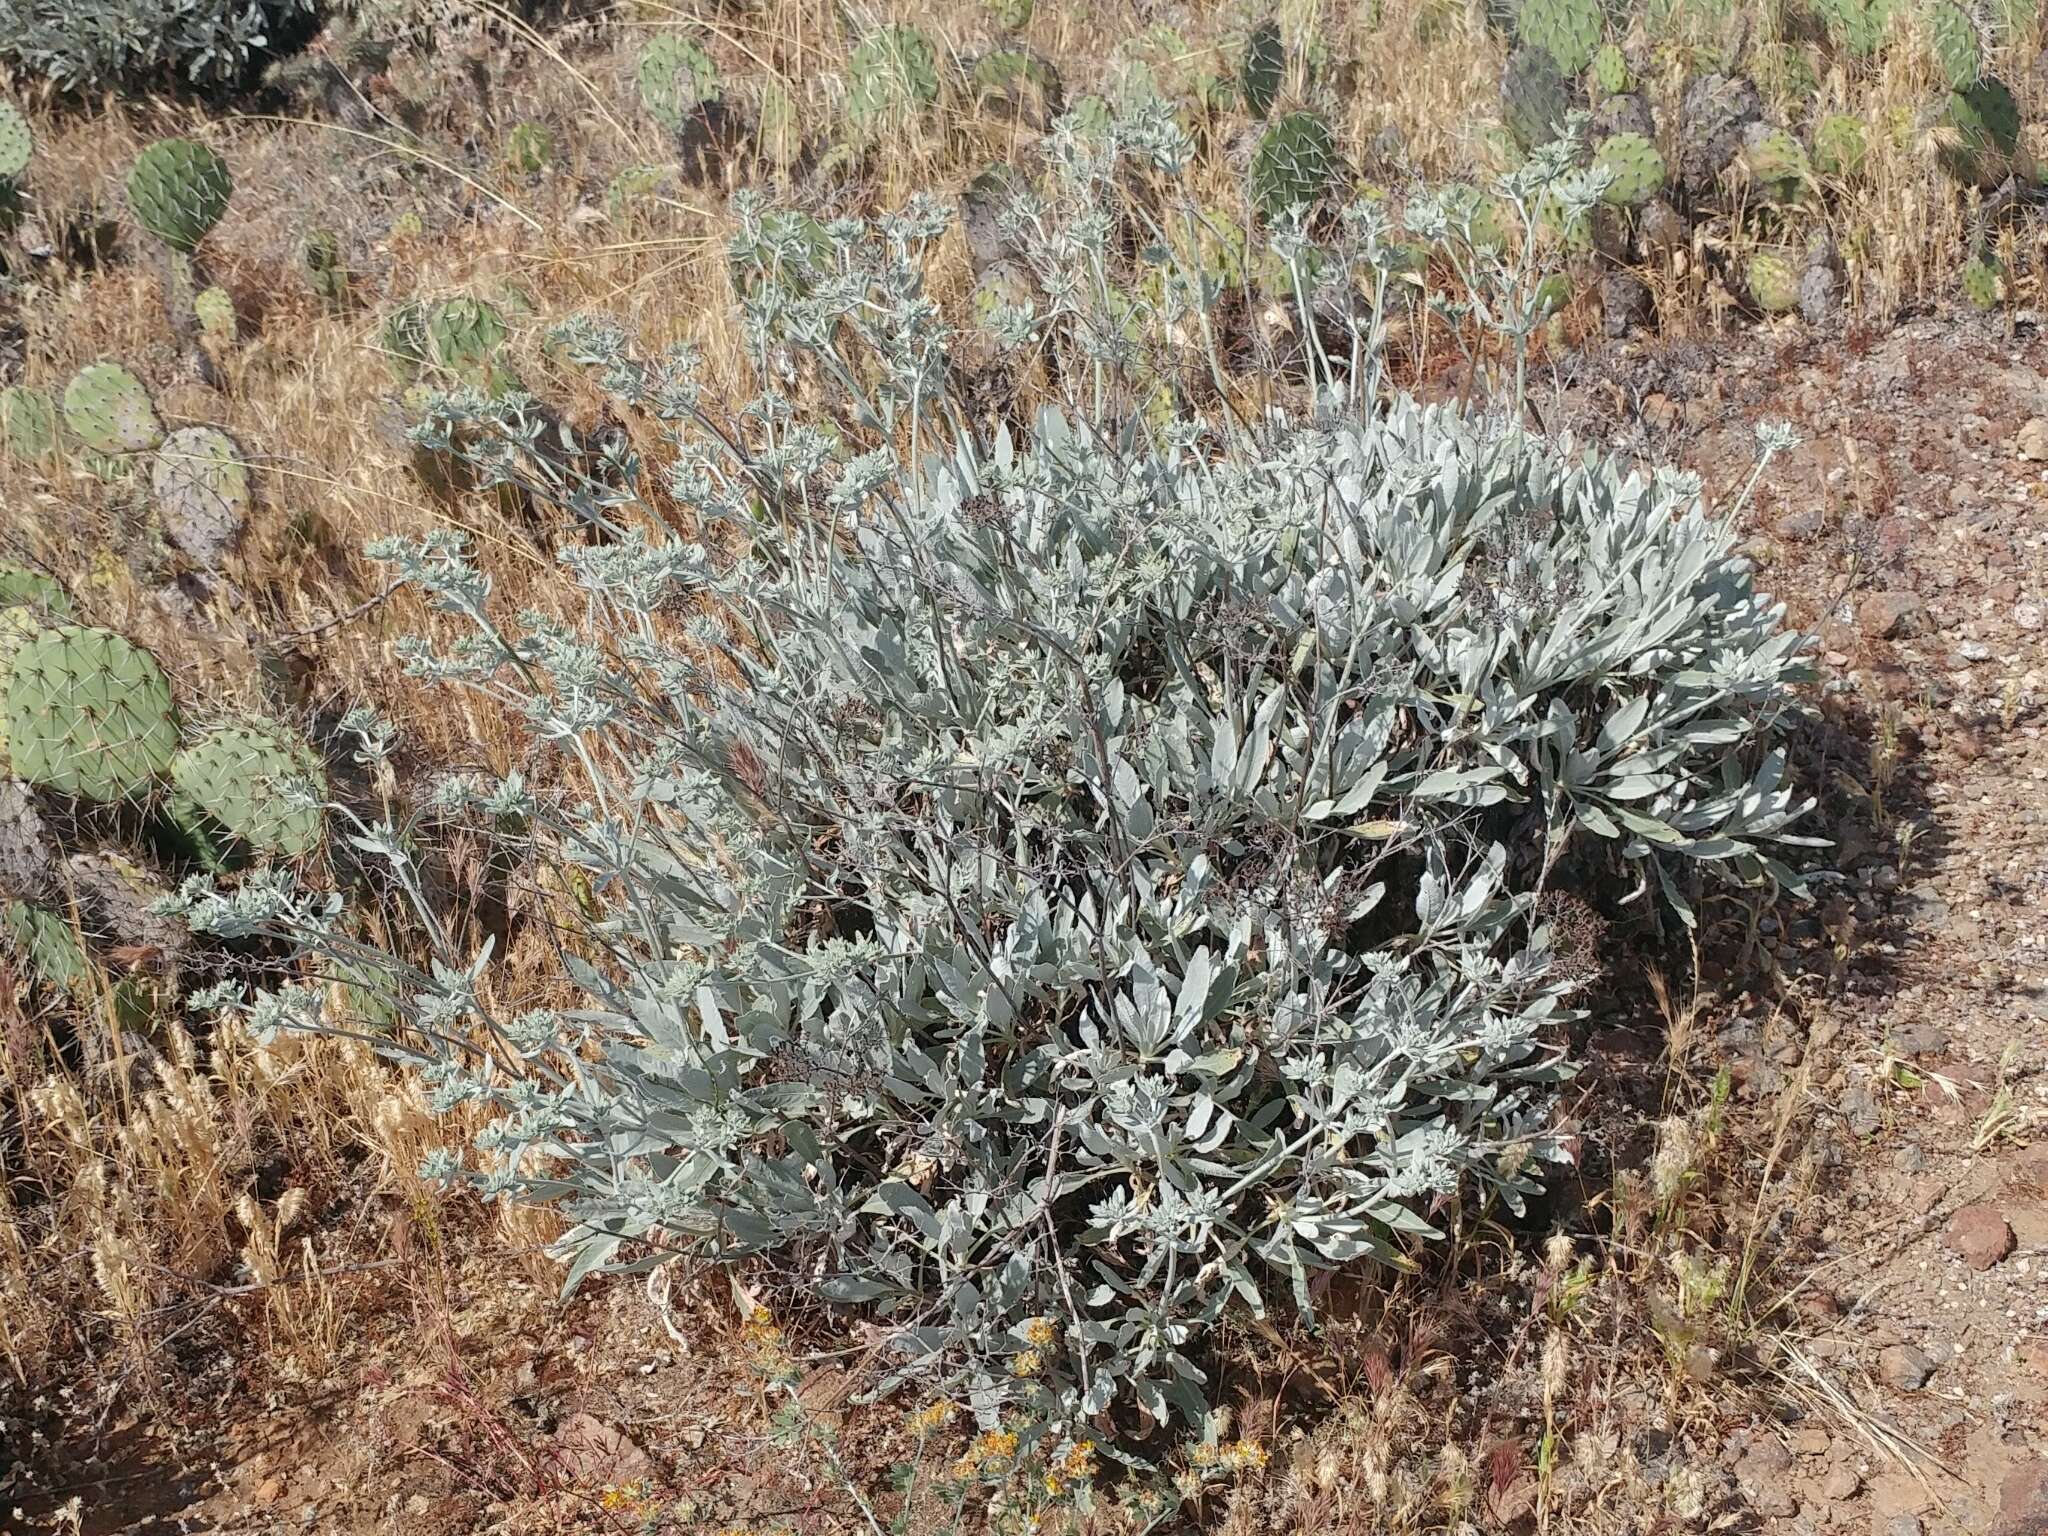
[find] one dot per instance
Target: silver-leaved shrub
(1049, 887)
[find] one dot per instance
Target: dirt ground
(1896, 1086)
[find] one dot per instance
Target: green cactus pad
(21, 587)
(1533, 97)
(1263, 69)
(28, 423)
(179, 189)
(892, 76)
(108, 409)
(1840, 145)
(1857, 27)
(529, 148)
(255, 782)
(17, 142)
(87, 714)
(1567, 30)
(48, 942)
(676, 78)
(1773, 279)
(1952, 37)
(464, 335)
(1777, 164)
(201, 487)
(1635, 166)
(1979, 132)
(1609, 71)
(1295, 163)
(1981, 283)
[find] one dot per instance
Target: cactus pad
(201, 488)
(1981, 285)
(28, 423)
(17, 143)
(464, 335)
(1840, 144)
(1609, 71)
(893, 76)
(1296, 161)
(87, 714)
(21, 587)
(1533, 97)
(1952, 37)
(179, 189)
(1856, 27)
(676, 77)
(1263, 69)
(1567, 30)
(1636, 169)
(1776, 162)
(529, 147)
(1979, 132)
(108, 410)
(255, 782)
(215, 311)
(1773, 278)
(47, 941)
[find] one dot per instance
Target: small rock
(1892, 615)
(2028, 617)
(1624, 303)
(2032, 440)
(1904, 1525)
(1819, 293)
(1905, 1366)
(269, 1491)
(1841, 1484)
(2023, 1501)
(1980, 1235)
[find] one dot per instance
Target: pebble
(1905, 1366)
(1980, 1235)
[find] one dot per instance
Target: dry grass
(226, 1173)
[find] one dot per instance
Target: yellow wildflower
(1027, 1364)
(1245, 1453)
(932, 1417)
(1079, 1461)
(1041, 1331)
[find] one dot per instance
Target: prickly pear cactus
(21, 587)
(215, 311)
(1777, 165)
(1533, 97)
(87, 714)
(404, 342)
(108, 410)
(201, 487)
(464, 335)
(326, 271)
(1567, 30)
(17, 142)
(892, 77)
(1979, 132)
(529, 148)
(27, 858)
(28, 423)
(179, 189)
(676, 78)
(1856, 27)
(48, 942)
(1295, 163)
(1981, 282)
(1773, 278)
(1011, 15)
(257, 783)
(1952, 39)
(1840, 145)
(1609, 71)
(1019, 83)
(1636, 169)
(1263, 69)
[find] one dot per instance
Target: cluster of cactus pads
(179, 189)
(89, 718)
(1718, 154)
